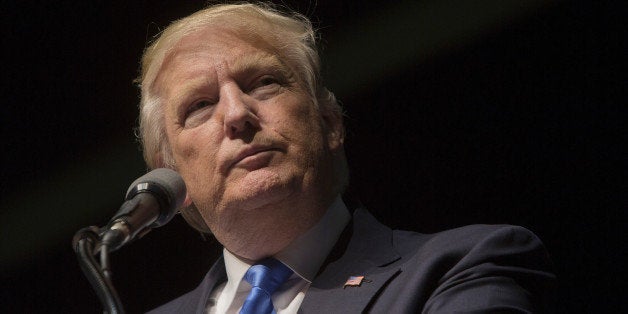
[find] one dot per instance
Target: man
(232, 99)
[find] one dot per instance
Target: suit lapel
(216, 275)
(369, 254)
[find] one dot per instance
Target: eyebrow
(181, 95)
(243, 66)
(251, 63)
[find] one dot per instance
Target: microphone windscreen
(170, 182)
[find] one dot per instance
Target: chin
(260, 188)
(261, 199)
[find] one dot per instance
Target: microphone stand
(86, 243)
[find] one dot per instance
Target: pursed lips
(249, 154)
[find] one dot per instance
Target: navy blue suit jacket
(477, 268)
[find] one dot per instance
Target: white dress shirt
(305, 255)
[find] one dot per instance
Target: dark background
(458, 112)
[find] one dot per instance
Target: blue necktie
(265, 277)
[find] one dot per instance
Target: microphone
(151, 201)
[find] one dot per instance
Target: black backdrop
(457, 113)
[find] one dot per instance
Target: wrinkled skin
(250, 142)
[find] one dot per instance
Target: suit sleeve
(506, 270)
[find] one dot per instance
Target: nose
(240, 117)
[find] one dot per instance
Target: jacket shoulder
(478, 266)
(460, 241)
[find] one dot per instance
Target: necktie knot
(265, 277)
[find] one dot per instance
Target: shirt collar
(305, 254)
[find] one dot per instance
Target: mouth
(252, 158)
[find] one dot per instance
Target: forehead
(215, 49)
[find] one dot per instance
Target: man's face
(247, 138)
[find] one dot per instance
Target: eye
(198, 112)
(268, 80)
(265, 87)
(198, 105)
(264, 81)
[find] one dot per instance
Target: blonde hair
(289, 34)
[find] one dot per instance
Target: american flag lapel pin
(355, 281)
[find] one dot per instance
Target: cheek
(298, 119)
(307, 144)
(185, 152)
(308, 127)
(196, 160)
(195, 152)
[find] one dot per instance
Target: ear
(334, 127)
(188, 201)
